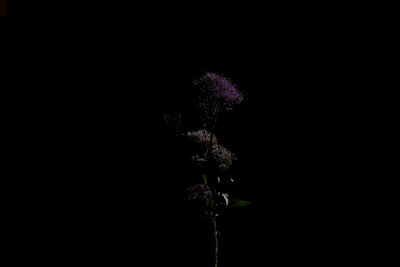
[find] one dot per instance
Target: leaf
(239, 202)
(225, 195)
(205, 179)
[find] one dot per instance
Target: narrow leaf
(239, 203)
(205, 179)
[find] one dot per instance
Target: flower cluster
(219, 154)
(217, 93)
(222, 156)
(202, 137)
(199, 192)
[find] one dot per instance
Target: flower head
(202, 137)
(216, 94)
(222, 156)
(199, 192)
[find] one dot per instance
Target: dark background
(297, 138)
(111, 180)
(120, 181)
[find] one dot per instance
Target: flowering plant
(215, 94)
(213, 161)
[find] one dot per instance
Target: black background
(111, 180)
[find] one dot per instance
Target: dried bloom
(172, 121)
(217, 93)
(202, 137)
(199, 192)
(222, 156)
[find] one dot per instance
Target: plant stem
(216, 241)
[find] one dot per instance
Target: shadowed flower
(199, 192)
(222, 156)
(172, 121)
(202, 137)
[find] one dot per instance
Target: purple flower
(216, 94)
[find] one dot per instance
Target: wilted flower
(202, 137)
(217, 93)
(222, 156)
(199, 192)
(172, 121)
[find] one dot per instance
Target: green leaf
(239, 202)
(205, 179)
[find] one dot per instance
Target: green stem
(216, 241)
